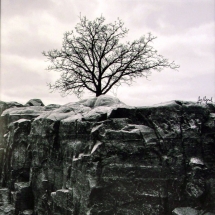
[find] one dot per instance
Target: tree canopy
(93, 58)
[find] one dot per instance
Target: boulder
(34, 102)
(88, 102)
(16, 113)
(107, 101)
(14, 104)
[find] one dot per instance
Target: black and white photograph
(107, 107)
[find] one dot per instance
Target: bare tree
(94, 59)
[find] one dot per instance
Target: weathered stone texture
(101, 157)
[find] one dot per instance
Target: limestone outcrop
(101, 157)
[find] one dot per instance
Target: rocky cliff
(102, 157)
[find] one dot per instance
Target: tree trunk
(99, 89)
(98, 93)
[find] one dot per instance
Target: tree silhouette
(94, 59)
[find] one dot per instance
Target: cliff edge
(101, 157)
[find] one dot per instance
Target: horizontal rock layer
(100, 156)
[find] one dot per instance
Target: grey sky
(185, 33)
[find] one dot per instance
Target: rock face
(102, 157)
(34, 102)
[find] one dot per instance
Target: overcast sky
(185, 33)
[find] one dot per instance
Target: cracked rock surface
(101, 157)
